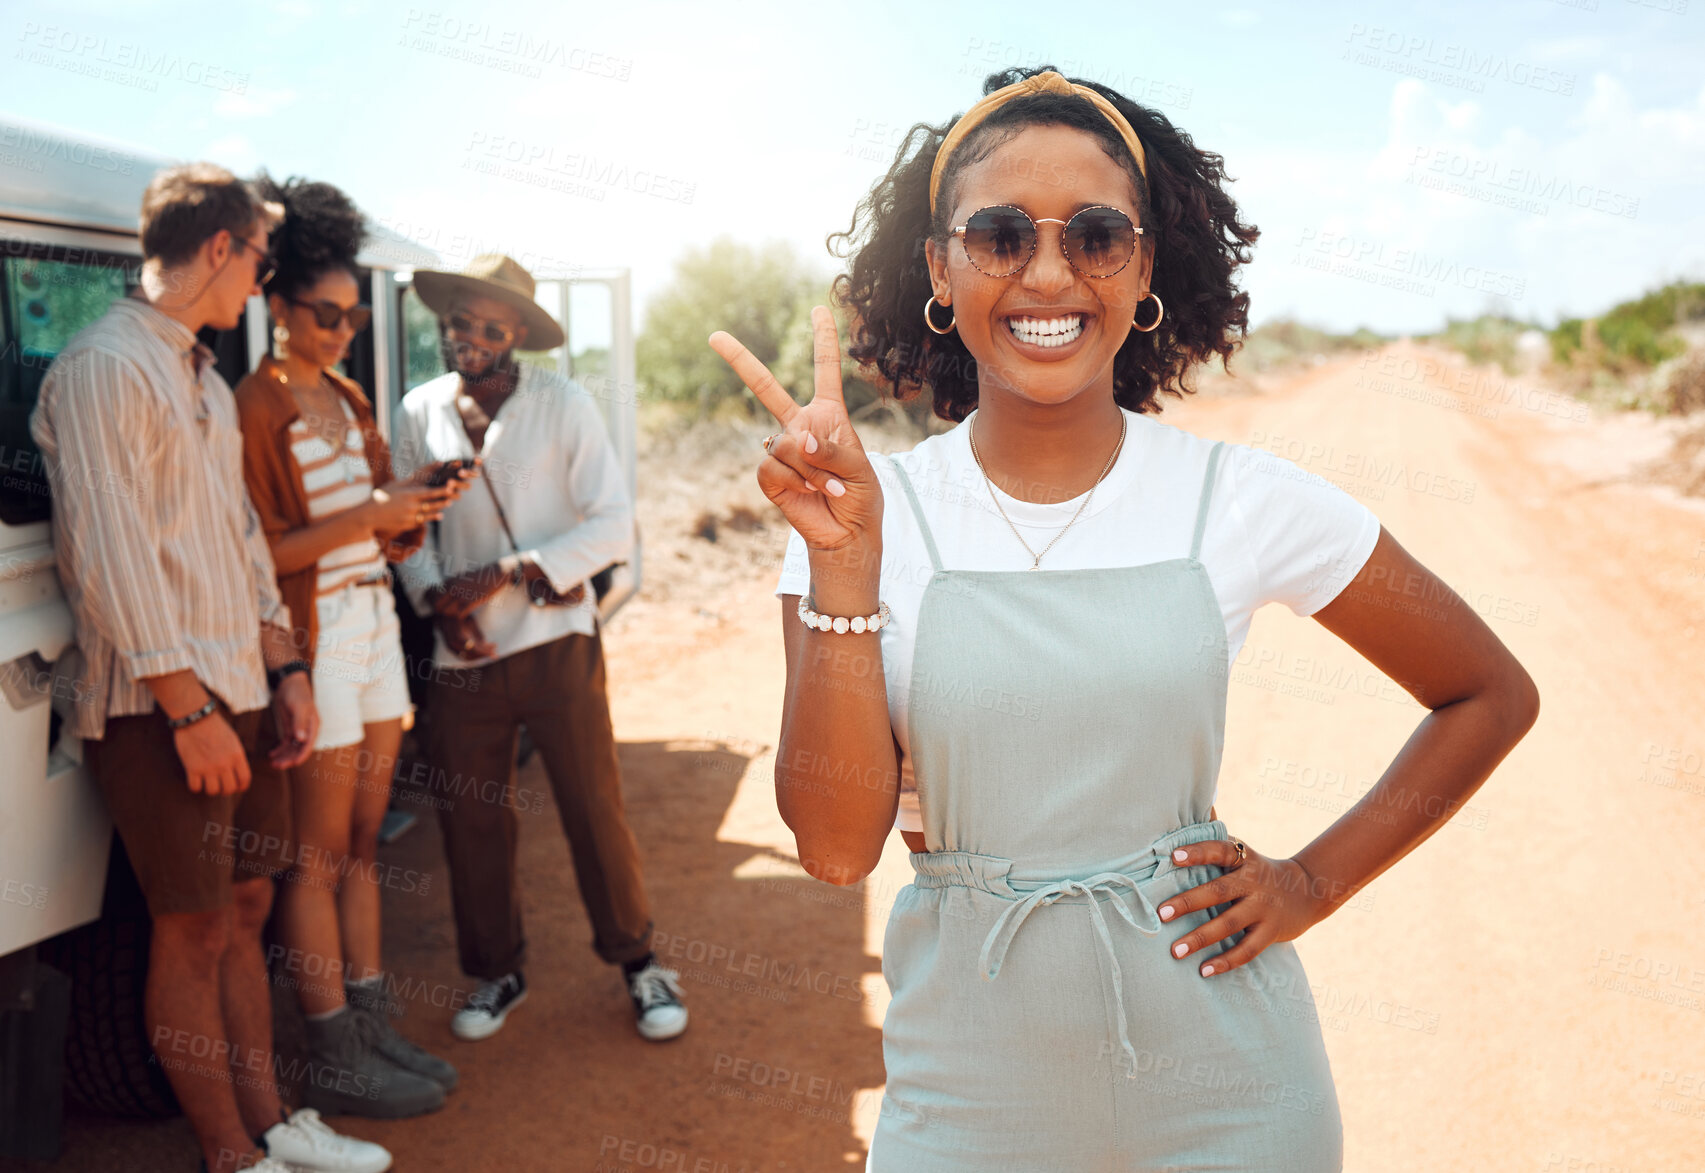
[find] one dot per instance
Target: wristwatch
(275, 676)
(519, 578)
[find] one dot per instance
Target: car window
(423, 359)
(43, 302)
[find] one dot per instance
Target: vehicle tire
(109, 1066)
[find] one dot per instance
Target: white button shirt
(549, 459)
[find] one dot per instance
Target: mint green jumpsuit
(1038, 1019)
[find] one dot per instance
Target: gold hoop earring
(930, 322)
(1160, 312)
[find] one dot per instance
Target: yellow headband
(1043, 83)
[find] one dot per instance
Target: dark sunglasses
(266, 266)
(488, 331)
(327, 315)
(1000, 240)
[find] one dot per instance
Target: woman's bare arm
(1483, 702)
(300, 548)
(837, 775)
(837, 784)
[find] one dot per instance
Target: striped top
(164, 563)
(336, 480)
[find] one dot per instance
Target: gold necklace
(1035, 558)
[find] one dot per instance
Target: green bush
(1490, 338)
(754, 293)
(1637, 334)
(1566, 339)
(1284, 342)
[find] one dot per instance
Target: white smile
(1047, 331)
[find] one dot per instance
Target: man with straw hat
(504, 576)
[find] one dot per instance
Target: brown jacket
(265, 410)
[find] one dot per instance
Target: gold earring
(930, 322)
(1160, 312)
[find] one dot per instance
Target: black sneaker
(488, 1006)
(656, 995)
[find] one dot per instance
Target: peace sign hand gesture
(816, 471)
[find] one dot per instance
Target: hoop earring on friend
(930, 322)
(1160, 312)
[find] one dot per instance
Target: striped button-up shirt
(162, 558)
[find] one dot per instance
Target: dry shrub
(1686, 385)
(1683, 467)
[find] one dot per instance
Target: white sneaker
(488, 1006)
(657, 1005)
(306, 1144)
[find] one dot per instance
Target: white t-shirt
(1276, 533)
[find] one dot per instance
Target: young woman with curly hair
(319, 474)
(1016, 644)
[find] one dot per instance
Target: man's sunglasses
(1000, 240)
(500, 333)
(328, 314)
(266, 265)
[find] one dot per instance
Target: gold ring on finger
(1242, 851)
(771, 439)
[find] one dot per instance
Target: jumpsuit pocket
(894, 933)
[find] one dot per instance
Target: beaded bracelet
(176, 723)
(840, 623)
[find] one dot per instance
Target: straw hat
(497, 276)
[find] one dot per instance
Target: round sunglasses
(1000, 240)
(465, 324)
(328, 314)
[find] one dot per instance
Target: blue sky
(1546, 158)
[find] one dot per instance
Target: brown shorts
(187, 848)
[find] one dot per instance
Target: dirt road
(1526, 991)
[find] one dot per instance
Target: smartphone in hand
(447, 470)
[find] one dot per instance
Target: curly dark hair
(322, 230)
(1189, 220)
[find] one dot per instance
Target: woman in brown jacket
(319, 474)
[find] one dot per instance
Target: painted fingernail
(835, 487)
(1180, 855)
(811, 486)
(1180, 949)
(810, 442)
(1207, 970)
(1166, 912)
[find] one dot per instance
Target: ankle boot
(376, 1001)
(347, 1074)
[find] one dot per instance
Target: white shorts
(359, 676)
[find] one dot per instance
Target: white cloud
(1457, 210)
(234, 152)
